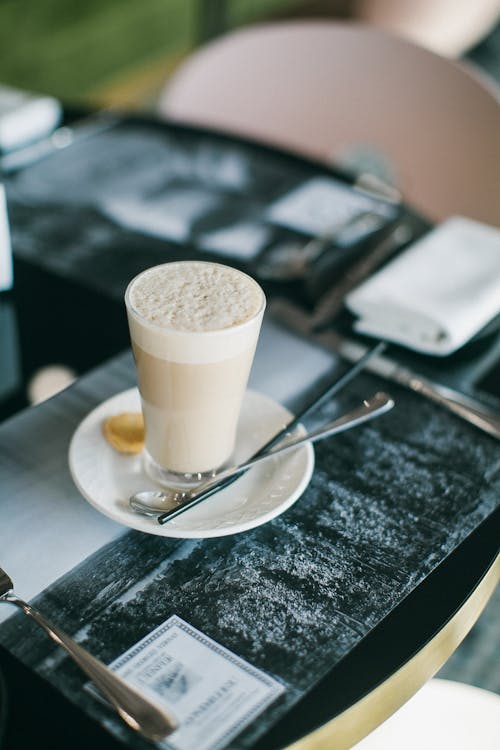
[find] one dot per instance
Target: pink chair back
(331, 90)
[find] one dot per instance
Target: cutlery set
(470, 409)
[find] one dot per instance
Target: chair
(443, 714)
(448, 27)
(354, 95)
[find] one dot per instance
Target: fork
(151, 721)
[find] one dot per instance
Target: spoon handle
(369, 409)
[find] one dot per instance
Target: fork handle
(153, 722)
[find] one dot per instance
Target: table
(379, 600)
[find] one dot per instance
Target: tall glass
(191, 382)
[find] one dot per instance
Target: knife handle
(467, 408)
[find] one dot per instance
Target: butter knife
(466, 407)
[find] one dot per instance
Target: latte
(194, 328)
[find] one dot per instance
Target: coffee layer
(191, 411)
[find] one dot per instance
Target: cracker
(125, 432)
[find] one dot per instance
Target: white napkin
(26, 117)
(6, 272)
(438, 293)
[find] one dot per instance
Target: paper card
(213, 693)
(322, 205)
(244, 240)
(169, 215)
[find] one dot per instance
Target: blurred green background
(111, 51)
(121, 52)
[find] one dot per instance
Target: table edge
(357, 721)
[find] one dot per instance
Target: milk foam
(194, 297)
(194, 312)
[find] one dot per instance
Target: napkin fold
(26, 117)
(438, 293)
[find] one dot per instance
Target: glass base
(174, 479)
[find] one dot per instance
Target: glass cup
(191, 382)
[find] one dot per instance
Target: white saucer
(107, 479)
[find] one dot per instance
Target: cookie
(125, 432)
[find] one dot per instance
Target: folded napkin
(438, 293)
(26, 117)
(6, 271)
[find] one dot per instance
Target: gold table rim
(362, 717)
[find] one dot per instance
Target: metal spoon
(174, 502)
